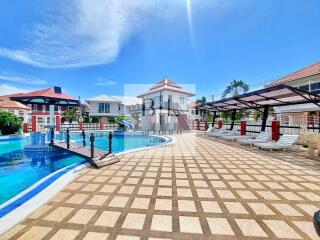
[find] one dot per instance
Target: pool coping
(26, 202)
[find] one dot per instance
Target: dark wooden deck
(101, 158)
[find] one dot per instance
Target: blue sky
(91, 47)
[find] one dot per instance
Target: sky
(93, 47)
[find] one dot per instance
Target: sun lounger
(216, 132)
(236, 137)
(262, 137)
(229, 133)
(285, 142)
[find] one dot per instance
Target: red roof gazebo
(52, 96)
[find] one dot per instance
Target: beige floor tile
(220, 226)
(162, 191)
(290, 196)
(286, 209)
(141, 203)
(163, 204)
(218, 184)
(182, 183)
(145, 191)
(37, 214)
(108, 188)
(114, 180)
(82, 216)
(118, 202)
(74, 186)
(13, 231)
(235, 208)
(308, 208)
(261, 209)
(281, 229)
(211, 207)
(236, 185)
(246, 195)
(108, 218)
(190, 225)
(95, 236)
(134, 221)
(161, 223)
(77, 198)
(90, 187)
(35, 233)
(60, 196)
(268, 195)
(226, 194)
(307, 228)
(165, 182)
(132, 180)
(250, 228)
(186, 206)
(149, 181)
(65, 234)
(184, 192)
(100, 179)
(126, 189)
(127, 237)
(204, 193)
(59, 214)
(98, 200)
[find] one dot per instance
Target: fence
(254, 127)
(88, 126)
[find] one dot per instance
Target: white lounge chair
(237, 137)
(233, 132)
(262, 137)
(217, 132)
(285, 142)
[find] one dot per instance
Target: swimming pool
(120, 142)
(20, 169)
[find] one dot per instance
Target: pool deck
(198, 188)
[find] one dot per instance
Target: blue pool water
(19, 170)
(120, 143)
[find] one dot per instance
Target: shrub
(9, 123)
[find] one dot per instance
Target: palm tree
(235, 88)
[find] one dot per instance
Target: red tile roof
(305, 72)
(8, 104)
(46, 93)
(165, 84)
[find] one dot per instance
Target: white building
(111, 106)
(164, 107)
(307, 79)
(193, 113)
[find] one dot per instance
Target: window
(315, 88)
(192, 112)
(104, 107)
(182, 100)
(304, 87)
(39, 120)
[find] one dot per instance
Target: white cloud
(6, 89)
(13, 77)
(91, 32)
(103, 82)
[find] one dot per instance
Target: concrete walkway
(196, 189)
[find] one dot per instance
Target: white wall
(114, 109)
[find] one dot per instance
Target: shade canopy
(273, 96)
(49, 96)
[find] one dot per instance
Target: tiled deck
(196, 189)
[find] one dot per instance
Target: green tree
(235, 88)
(71, 115)
(9, 123)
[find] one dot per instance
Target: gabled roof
(103, 98)
(52, 95)
(165, 84)
(305, 72)
(9, 104)
(126, 100)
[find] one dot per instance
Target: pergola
(52, 96)
(261, 100)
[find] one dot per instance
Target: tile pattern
(196, 189)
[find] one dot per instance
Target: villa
(165, 107)
(307, 79)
